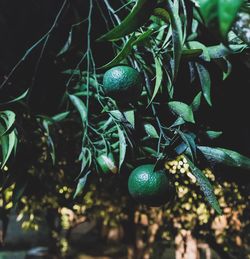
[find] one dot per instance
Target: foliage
(166, 41)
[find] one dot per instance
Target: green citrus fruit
(150, 187)
(107, 163)
(122, 83)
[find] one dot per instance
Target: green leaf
(9, 118)
(197, 45)
(130, 116)
(182, 110)
(205, 186)
(189, 54)
(205, 82)
(124, 118)
(20, 97)
(220, 12)
(151, 151)
(86, 158)
(143, 37)
(179, 121)
(216, 155)
(81, 184)
(189, 140)
(126, 50)
(158, 80)
(177, 34)
(151, 131)
(213, 134)
(8, 144)
(228, 10)
(208, 9)
(67, 44)
(162, 14)
(80, 106)
(225, 156)
(196, 102)
(122, 146)
(137, 17)
(61, 116)
(239, 160)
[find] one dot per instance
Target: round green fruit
(122, 83)
(150, 187)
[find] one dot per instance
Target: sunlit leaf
(198, 45)
(182, 110)
(151, 131)
(7, 144)
(8, 118)
(130, 116)
(122, 146)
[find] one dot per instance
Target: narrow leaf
(67, 44)
(7, 143)
(61, 116)
(189, 140)
(126, 50)
(182, 110)
(80, 106)
(81, 184)
(177, 34)
(122, 147)
(158, 80)
(205, 82)
(137, 17)
(239, 160)
(9, 118)
(20, 97)
(216, 155)
(205, 186)
(196, 102)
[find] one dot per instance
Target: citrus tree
(123, 121)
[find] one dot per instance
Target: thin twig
(44, 37)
